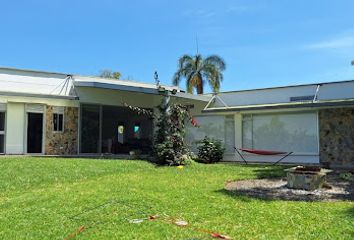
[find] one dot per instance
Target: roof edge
(289, 86)
(52, 96)
(333, 103)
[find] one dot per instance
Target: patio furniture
(262, 152)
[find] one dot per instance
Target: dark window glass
(90, 128)
(58, 122)
(55, 122)
(2, 143)
(2, 121)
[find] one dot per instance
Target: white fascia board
(317, 104)
(192, 96)
(115, 87)
(146, 90)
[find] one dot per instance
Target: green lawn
(40, 197)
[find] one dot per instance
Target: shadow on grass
(263, 170)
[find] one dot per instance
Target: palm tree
(197, 71)
(106, 73)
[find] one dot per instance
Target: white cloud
(335, 43)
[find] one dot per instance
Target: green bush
(166, 154)
(210, 150)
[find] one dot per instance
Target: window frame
(58, 111)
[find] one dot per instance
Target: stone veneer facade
(336, 127)
(62, 143)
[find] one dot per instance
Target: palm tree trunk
(200, 87)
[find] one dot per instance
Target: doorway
(34, 132)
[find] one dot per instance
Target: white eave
(38, 95)
(132, 86)
(316, 104)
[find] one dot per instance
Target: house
(65, 114)
(314, 121)
(68, 114)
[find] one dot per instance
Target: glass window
(58, 125)
(218, 127)
(296, 132)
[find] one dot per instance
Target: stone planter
(306, 178)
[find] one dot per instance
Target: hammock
(262, 152)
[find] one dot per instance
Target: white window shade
(296, 132)
(35, 108)
(57, 109)
(2, 106)
(218, 127)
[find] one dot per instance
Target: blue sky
(264, 43)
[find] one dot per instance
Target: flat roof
(94, 78)
(330, 103)
(288, 86)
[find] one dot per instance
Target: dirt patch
(336, 189)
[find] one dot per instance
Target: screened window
(296, 132)
(218, 127)
(58, 122)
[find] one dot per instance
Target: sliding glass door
(90, 128)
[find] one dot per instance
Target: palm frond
(197, 71)
(216, 61)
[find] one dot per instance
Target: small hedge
(210, 150)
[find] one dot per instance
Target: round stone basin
(306, 177)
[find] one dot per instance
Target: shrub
(169, 146)
(166, 153)
(210, 150)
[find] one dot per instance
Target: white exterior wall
(15, 128)
(16, 117)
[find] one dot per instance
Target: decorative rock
(337, 137)
(305, 179)
(62, 143)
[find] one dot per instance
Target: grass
(40, 197)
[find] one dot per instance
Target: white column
(238, 134)
(15, 128)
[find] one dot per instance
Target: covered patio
(114, 130)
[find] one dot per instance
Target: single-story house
(67, 114)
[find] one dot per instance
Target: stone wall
(62, 143)
(337, 137)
